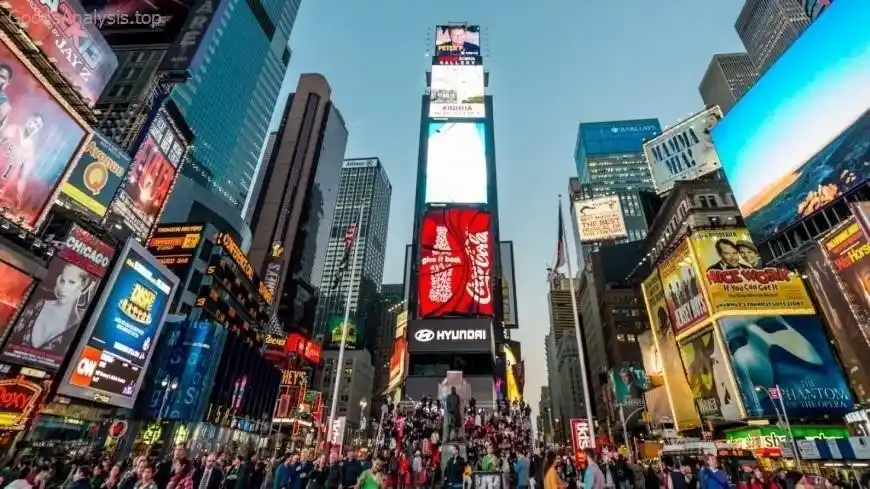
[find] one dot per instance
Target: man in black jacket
(333, 473)
(454, 470)
(212, 476)
(351, 469)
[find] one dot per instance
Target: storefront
(770, 444)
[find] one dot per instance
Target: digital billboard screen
(805, 122)
(457, 92)
(95, 177)
(709, 377)
(117, 345)
(13, 291)
(615, 137)
(149, 181)
(457, 45)
(38, 138)
(456, 169)
(455, 274)
(52, 315)
(600, 219)
(174, 245)
(684, 151)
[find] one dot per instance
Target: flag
(561, 246)
(349, 238)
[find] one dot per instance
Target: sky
(552, 64)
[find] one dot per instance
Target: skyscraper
(728, 78)
(385, 312)
(364, 200)
(609, 155)
(768, 27)
(292, 216)
(257, 186)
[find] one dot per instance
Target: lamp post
(775, 394)
(362, 418)
(168, 386)
(624, 419)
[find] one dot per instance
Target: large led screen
(456, 163)
(144, 191)
(38, 138)
(455, 274)
(457, 92)
(47, 325)
(791, 352)
(457, 45)
(95, 177)
(804, 123)
(117, 345)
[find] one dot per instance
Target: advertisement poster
(47, 325)
(148, 182)
(117, 346)
(737, 280)
(455, 275)
(709, 377)
(469, 335)
(792, 352)
(38, 138)
(628, 383)
(336, 329)
(398, 362)
(682, 289)
(514, 392)
(652, 360)
(13, 291)
(457, 45)
(829, 148)
(679, 393)
(581, 434)
(457, 92)
(18, 398)
(95, 177)
(456, 170)
(684, 151)
(600, 219)
(849, 250)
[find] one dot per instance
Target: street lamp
(624, 419)
(362, 417)
(168, 386)
(782, 418)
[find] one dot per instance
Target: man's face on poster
(457, 36)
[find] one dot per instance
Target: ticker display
(175, 244)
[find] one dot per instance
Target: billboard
(38, 139)
(457, 92)
(684, 151)
(791, 352)
(95, 178)
(819, 104)
(457, 45)
(398, 362)
(652, 360)
(174, 245)
(709, 377)
(615, 137)
(69, 37)
(600, 219)
(627, 384)
(184, 54)
(114, 351)
(508, 284)
(682, 289)
(455, 274)
(847, 323)
(456, 170)
(47, 325)
(581, 434)
(13, 291)
(679, 393)
(736, 280)
(450, 335)
(149, 181)
(336, 328)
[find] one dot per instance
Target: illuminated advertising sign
(508, 284)
(581, 434)
(235, 252)
(471, 335)
(617, 137)
(455, 274)
(38, 139)
(682, 288)
(457, 45)
(679, 393)
(47, 325)
(737, 281)
(709, 377)
(291, 392)
(791, 352)
(457, 92)
(117, 345)
(456, 170)
(512, 382)
(627, 384)
(652, 361)
(336, 328)
(184, 54)
(305, 348)
(600, 219)
(70, 39)
(684, 151)
(18, 398)
(398, 363)
(95, 178)
(174, 245)
(149, 181)
(13, 291)
(820, 105)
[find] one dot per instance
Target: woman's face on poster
(69, 284)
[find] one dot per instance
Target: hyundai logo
(424, 335)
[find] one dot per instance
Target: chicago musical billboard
(455, 274)
(684, 151)
(95, 177)
(456, 170)
(457, 92)
(600, 219)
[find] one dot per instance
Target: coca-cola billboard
(456, 257)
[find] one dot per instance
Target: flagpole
(340, 364)
(581, 353)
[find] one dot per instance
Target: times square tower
(456, 327)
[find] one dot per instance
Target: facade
(363, 192)
(545, 415)
(728, 77)
(609, 155)
(768, 27)
(258, 180)
(385, 311)
(562, 358)
(357, 377)
(570, 380)
(291, 218)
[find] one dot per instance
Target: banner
(709, 377)
(679, 393)
(682, 290)
(791, 352)
(737, 281)
(581, 434)
(600, 219)
(627, 384)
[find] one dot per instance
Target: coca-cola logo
(477, 249)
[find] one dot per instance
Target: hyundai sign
(450, 335)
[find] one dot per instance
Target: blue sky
(552, 65)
